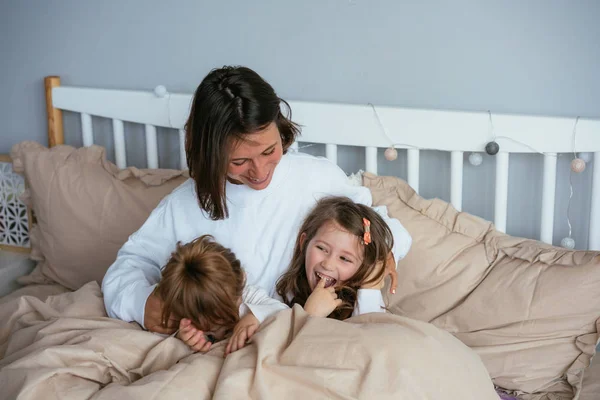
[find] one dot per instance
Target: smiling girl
(338, 256)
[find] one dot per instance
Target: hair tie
(367, 234)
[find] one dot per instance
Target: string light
(577, 166)
(492, 148)
(161, 91)
(475, 159)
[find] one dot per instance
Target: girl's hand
(322, 301)
(193, 337)
(243, 331)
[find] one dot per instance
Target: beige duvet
(66, 348)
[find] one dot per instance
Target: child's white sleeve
(258, 302)
(368, 301)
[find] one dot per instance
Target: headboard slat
(594, 233)
(501, 204)
(182, 157)
(413, 157)
(87, 129)
(371, 159)
(331, 152)
(151, 146)
(119, 138)
(456, 179)
(548, 196)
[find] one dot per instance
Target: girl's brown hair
(294, 286)
(229, 103)
(202, 281)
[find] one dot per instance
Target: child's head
(202, 281)
(331, 245)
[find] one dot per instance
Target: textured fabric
(261, 230)
(85, 208)
(530, 310)
(66, 348)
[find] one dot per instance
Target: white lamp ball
(587, 157)
(568, 243)
(577, 165)
(390, 154)
(160, 91)
(475, 159)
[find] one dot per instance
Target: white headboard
(367, 126)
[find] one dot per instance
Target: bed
(520, 311)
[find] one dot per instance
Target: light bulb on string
(160, 91)
(568, 243)
(390, 153)
(475, 159)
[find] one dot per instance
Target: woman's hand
(390, 269)
(194, 338)
(370, 282)
(322, 301)
(153, 316)
(242, 332)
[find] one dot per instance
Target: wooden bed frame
(365, 126)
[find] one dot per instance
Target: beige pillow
(86, 208)
(530, 310)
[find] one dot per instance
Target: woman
(245, 191)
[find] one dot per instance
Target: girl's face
(253, 161)
(333, 254)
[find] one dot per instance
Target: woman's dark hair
(293, 286)
(229, 103)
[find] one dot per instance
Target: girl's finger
(200, 344)
(205, 348)
(321, 283)
(184, 323)
(252, 330)
(195, 339)
(338, 302)
(186, 333)
(233, 344)
(228, 347)
(242, 339)
(331, 289)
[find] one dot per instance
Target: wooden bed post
(55, 121)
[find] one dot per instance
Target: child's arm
(257, 301)
(256, 307)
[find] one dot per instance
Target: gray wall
(532, 57)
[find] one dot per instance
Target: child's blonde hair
(294, 286)
(202, 281)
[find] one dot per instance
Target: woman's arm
(131, 279)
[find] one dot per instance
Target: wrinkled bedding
(66, 348)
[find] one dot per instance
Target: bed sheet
(65, 347)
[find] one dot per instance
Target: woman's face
(252, 161)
